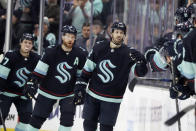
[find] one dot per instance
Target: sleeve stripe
(39, 75)
(4, 72)
(192, 81)
(86, 72)
(154, 65)
(41, 68)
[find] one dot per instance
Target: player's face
(68, 40)
(26, 46)
(118, 36)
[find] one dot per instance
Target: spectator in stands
(48, 37)
(81, 12)
(67, 6)
(26, 21)
(98, 30)
(81, 41)
(98, 34)
(109, 23)
(16, 34)
(35, 8)
(107, 10)
(52, 12)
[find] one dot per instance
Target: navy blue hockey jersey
(59, 70)
(188, 64)
(109, 71)
(15, 71)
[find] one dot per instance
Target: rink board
(144, 110)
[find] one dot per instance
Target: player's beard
(117, 42)
(68, 45)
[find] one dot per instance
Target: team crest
(64, 74)
(107, 74)
(22, 76)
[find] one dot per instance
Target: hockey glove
(79, 93)
(184, 96)
(30, 89)
(180, 92)
(173, 93)
(150, 52)
(137, 56)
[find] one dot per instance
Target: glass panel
(147, 21)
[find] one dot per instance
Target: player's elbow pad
(141, 69)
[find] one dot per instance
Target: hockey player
(15, 69)
(107, 71)
(56, 72)
(187, 67)
(181, 52)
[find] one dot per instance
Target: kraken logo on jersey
(61, 68)
(22, 76)
(104, 67)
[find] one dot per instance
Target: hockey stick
(177, 117)
(133, 82)
(176, 100)
(3, 122)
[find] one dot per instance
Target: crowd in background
(159, 19)
(25, 19)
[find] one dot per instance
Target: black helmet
(69, 29)
(27, 36)
(168, 49)
(120, 26)
(181, 14)
(160, 41)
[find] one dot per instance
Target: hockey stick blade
(176, 117)
(132, 84)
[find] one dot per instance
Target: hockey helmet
(160, 42)
(181, 15)
(120, 26)
(27, 36)
(168, 49)
(69, 29)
